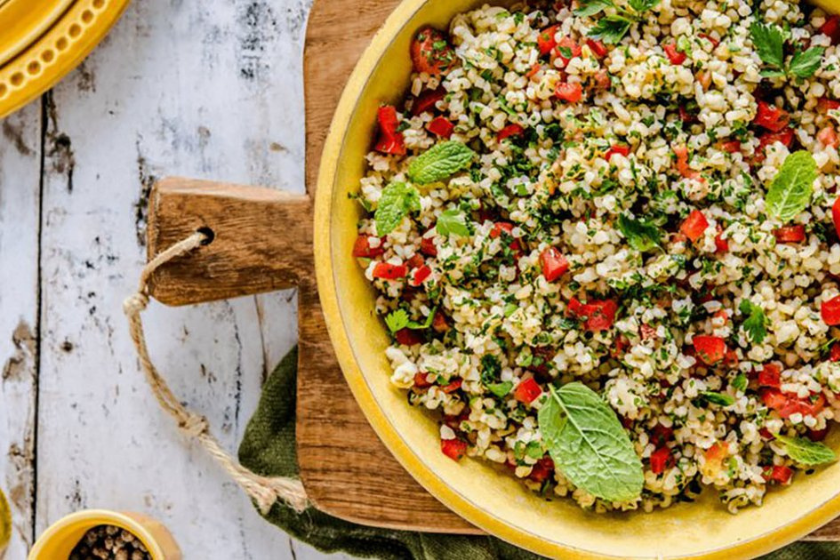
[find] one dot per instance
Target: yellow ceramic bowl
(496, 502)
(61, 538)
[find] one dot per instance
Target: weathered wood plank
(200, 89)
(20, 153)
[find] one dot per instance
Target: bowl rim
(328, 292)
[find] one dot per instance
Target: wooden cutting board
(263, 242)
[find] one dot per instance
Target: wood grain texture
(261, 240)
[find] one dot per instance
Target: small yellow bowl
(61, 538)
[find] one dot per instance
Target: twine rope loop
(265, 491)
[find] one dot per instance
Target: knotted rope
(263, 490)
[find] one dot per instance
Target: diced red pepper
(730, 146)
(682, 163)
(416, 261)
(597, 47)
(408, 337)
(554, 264)
(818, 435)
(771, 117)
(388, 271)
(785, 137)
(694, 225)
(571, 93)
(602, 79)
(431, 52)
(660, 435)
(421, 380)
(420, 275)
(835, 215)
(685, 116)
(730, 359)
(428, 247)
(567, 43)
(830, 311)
(787, 404)
(770, 376)
(716, 452)
(790, 234)
(710, 39)
(362, 248)
(533, 71)
(427, 101)
(453, 385)
(778, 473)
(710, 349)
(831, 28)
(834, 354)
(455, 449)
(765, 433)
(621, 149)
(500, 227)
(390, 140)
(527, 391)
(676, 57)
(599, 314)
(442, 127)
(828, 137)
(660, 460)
(546, 41)
(824, 105)
(721, 244)
(510, 130)
(542, 470)
(619, 346)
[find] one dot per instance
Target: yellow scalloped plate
(491, 500)
(43, 40)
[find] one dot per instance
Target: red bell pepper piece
(554, 264)
(824, 105)
(453, 385)
(710, 349)
(721, 244)
(597, 47)
(660, 460)
(830, 311)
(730, 146)
(567, 43)
(790, 234)
(676, 57)
(441, 126)
(527, 391)
(427, 101)
(778, 473)
(421, 381)
(694, 225)
(455, 449)
(510, 130)
(362, 248)
(388, 271)
(770, 376)
(543, 469)
(831, 28)
(771, 117)
(621, 149)
(599, 314)
(408, 337)
(546, 41)
(571, 93)
(420, 275)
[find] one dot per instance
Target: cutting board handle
(259, 240)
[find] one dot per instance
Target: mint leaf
(440, 162)
(790, 192)
(640, 234)
(397, 200)
(397, 320)
(610, 29)
(721, 399)
(807, 452)
(756, 323)
(643, 5)
(770, 73)
(592, 7)
(769, 43)
(452, 221)
(500, 389)
(589, 446)
(804, 64)
(565, 52)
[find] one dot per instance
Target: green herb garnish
(769, 41)
(790, 192)
(807, 452)
(440, 162)
(641, 234)
(721, 399)
(589, 446)
(756, 323)
(452, 221)
(397, 200)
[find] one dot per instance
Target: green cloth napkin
(268, 448)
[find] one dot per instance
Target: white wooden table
(201, 88)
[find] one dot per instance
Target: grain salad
(604, 239)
